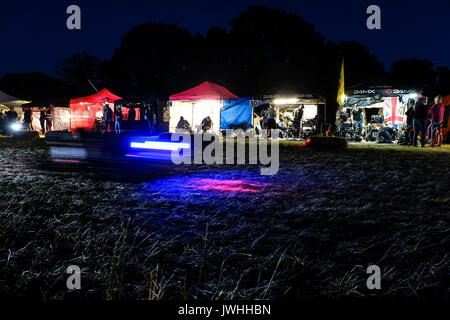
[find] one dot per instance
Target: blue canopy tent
(236, 113)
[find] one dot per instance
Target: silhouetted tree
(418, 74)
(443, 86)
(265, 51)
(155, 58)
(360, 64)
(33, 85)
(272, 50)
(77, 69)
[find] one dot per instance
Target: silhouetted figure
(298, 116)
(183, 125)
(207, 124)
(409, 131)
(27, 119)
(42, 117)
(357, 120)
(107, 117)
(131, 115)
(48, 119)
(11, 116)
(118, 119)
(271, 120)
(385, 134)
(3, 122)
(419, 118)
(436, 114)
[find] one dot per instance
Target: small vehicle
(373, 128)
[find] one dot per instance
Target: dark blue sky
(34, 34)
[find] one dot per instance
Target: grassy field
(226, 232)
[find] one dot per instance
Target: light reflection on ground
(226, 185)
(215, 184)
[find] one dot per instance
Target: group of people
(11, 117)
(184, 126)
(416, 119)
(104, 119)
(417, 116)
(286, 122)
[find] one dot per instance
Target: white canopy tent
(194, 112)
(196, 104)
(7, 101)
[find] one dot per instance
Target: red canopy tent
(83, 109)
(197, 103)
(205, 91)
(446, 100)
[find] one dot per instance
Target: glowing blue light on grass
(160, 145)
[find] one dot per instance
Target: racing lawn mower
(125, 155)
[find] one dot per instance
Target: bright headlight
(16, 126)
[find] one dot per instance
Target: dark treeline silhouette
(265, 51)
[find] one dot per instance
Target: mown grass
(309, 231)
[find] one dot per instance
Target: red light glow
(227, 185)
(67, 160)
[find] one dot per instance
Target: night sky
(34, 36)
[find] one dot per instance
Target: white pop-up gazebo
(197, 103)
(7, 101)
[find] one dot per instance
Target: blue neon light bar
(160, 145)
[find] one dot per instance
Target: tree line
(265, 51)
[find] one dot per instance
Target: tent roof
(205, 91)
(446, 100)
(8, 100)
(101, 97)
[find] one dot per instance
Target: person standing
(409, 132)
(107, 116)
(419, 119)
(118, 118)
(436, 113)
(49, 118)
(298, 119)
(271, 120)
(154, 122)
(2, 122)
(11, 116)
(42, 117)
(27, 119)
(131, 115)
(148, 118)
(357, 120)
